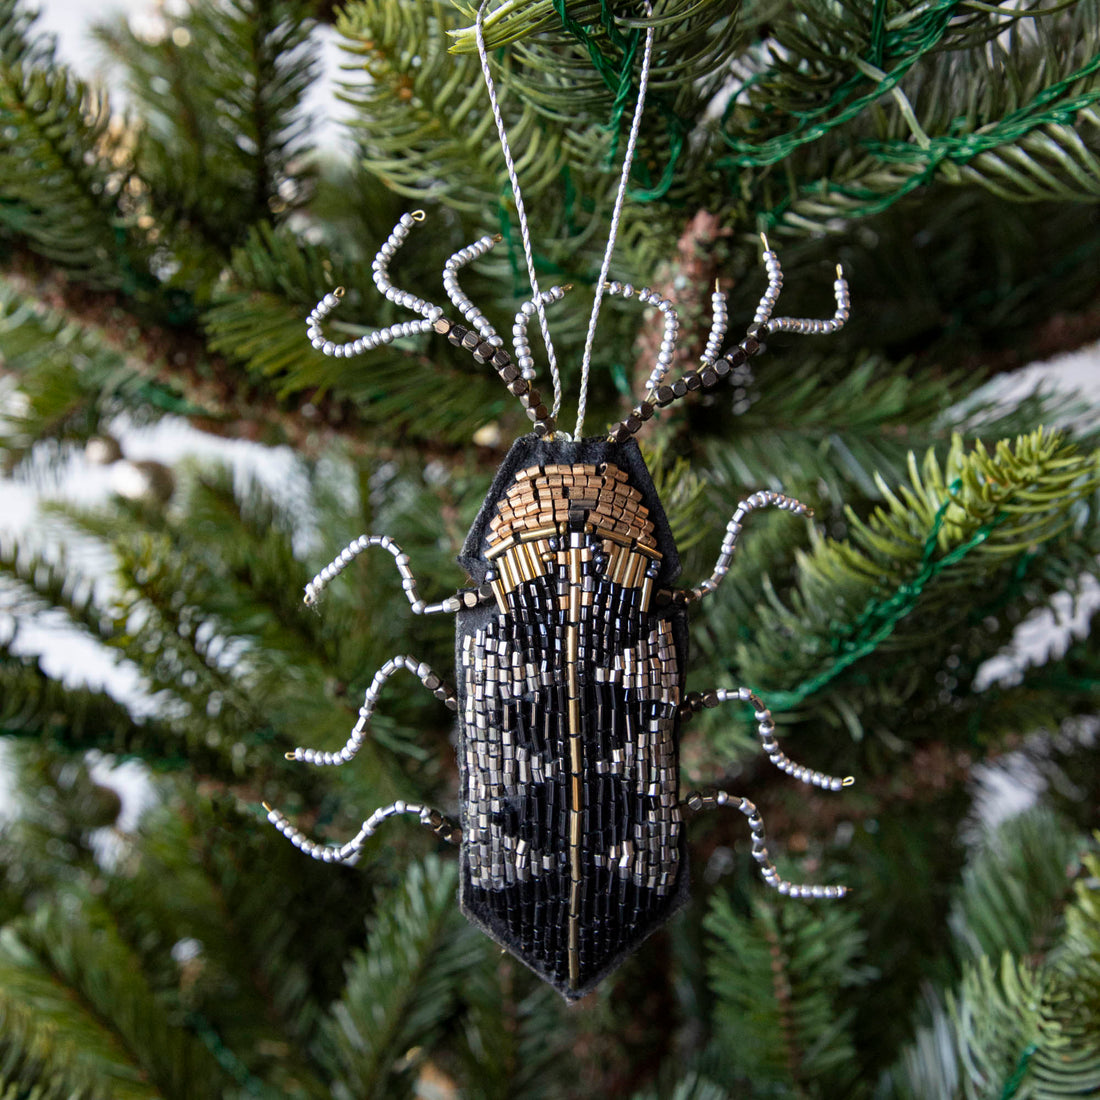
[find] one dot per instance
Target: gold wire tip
(809, 513)
(266, 806)
(339, 292)
(764, 238)
(567, 287)
(839, 272)
(290, 756)
(848, 781)
(497, 238)
(418, 215)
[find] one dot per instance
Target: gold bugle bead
(500, 548)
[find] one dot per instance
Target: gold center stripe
(576, 793)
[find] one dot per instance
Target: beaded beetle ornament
(570, 644)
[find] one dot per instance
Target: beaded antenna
(571, 642)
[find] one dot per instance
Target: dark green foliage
(76, 719)
(71, 379)
(1012, 897)
(31, 1065)
(424, 123)
(779, 977)
(1022, 1020)
(402, 989)
(222, 132)
(78, 981)
(163, 264)
(59, 184)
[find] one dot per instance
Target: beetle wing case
(569, 689)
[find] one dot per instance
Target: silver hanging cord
(628, 160)
(536, 295)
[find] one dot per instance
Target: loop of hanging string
(628, 160)
(525, 234)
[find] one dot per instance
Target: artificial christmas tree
(162, 264)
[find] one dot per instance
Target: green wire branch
(928, 30)
(1021, 151)
(879, 618)
(1012, 1085)
(909, 166)
(617, 80)
(959, 525)
(621, 81)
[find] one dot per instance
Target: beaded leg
(672, 327)
(765, 728)
(359, 732)
(467, 597)
(431, 313)
(763, 499)
(485, 351)
(521, 343)
(442, 826)
(458, 297)
(703, 800)
(719, 321)
(807, 326)
(712, 370)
